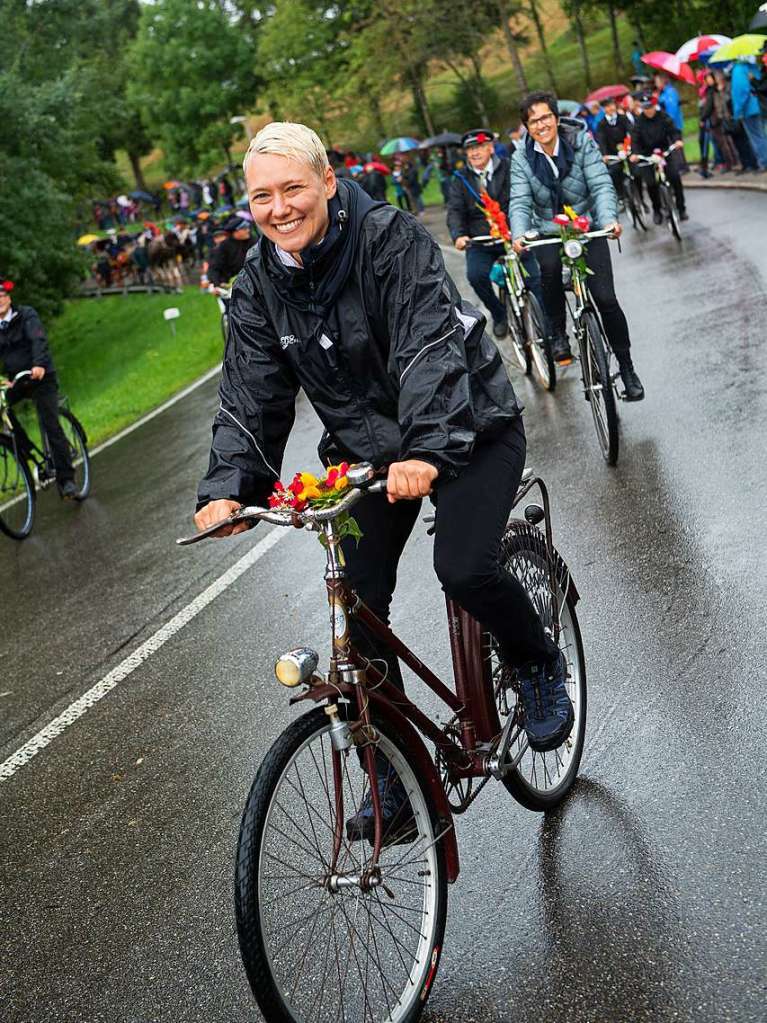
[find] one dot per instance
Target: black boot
(631, 382)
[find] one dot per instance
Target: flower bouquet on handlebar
(527, 323)
(306, 490)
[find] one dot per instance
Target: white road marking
(134, 660)
(160, 408)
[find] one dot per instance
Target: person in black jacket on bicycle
(24, 346)
(655, 130)
(465, 220)
(349, 299)
(610, 135)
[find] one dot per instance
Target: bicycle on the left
(25, 465)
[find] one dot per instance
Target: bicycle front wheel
(599, 388)
(517, 335)
(543, 360)
(315, 944)
(636, 206)
(669, 205)
(17, 492)
(540, 781)
(78, 452)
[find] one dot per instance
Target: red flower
(582, 223)
(7, 286)
(562, 220)
(496, 218)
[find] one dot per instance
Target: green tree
(192, 67)
(50, 164)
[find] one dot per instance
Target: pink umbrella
(607, 92)
(662, 61)
(693, 48)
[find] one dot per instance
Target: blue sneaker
(398, 820)
(548, 711)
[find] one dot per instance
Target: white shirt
(286, 258)
(539, 149)
(8, 316)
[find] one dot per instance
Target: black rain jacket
(24, 344)
(373, 329)
(651, 133)
(227, 259)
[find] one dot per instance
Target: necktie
(483, 179)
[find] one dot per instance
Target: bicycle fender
(426, 767)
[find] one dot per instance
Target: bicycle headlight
(573, 249)
(296, 666)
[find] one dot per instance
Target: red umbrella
(693, 48)
(607, 92)
(662, 61)
(376, 165)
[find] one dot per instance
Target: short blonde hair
(286, 138)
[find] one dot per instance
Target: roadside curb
(724, 186)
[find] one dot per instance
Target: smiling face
(542, 124)
(5, 302)
(289, 200)
(479, 156)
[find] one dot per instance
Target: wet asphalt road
(640, 899)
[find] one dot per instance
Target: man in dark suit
(484, 172)
(610, 135)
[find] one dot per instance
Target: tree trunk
(617, 55)
(580, 36)
(478, 88)
(374, 104)
(138, 173)
(419, 96)
(535, 15)
(511, 46)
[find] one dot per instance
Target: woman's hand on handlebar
(409, 480)
(615, 229)
(518, 245)
(214, 512)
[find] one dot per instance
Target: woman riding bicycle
(560, 164)
(350, 300)
(24, 346)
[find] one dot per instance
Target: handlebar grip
(230, 520)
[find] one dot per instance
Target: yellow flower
(310, 491)
(571, 212)
(309, 480)
(341, 483)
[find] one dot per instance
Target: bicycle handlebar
(19, 376)
(484, 241)
(587, 236)
(307, 517)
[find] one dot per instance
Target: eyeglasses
(538, 121)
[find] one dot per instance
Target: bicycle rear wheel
(599, 388)
(17, 492)
(541, 780)
(535, 327)
(316, 951)
(78, 452)
(669, 205)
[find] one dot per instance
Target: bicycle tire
(542, 358)
(257, 918)
(540, 781)
(636, 206)
(78, 451)
(517, 336)
(671, 212)
(599, 387)
(17, 493)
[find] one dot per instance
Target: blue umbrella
(399, 145)
(142, 196)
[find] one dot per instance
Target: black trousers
(601, 286)
(471, 514)
(45, 394)
(616, 173)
